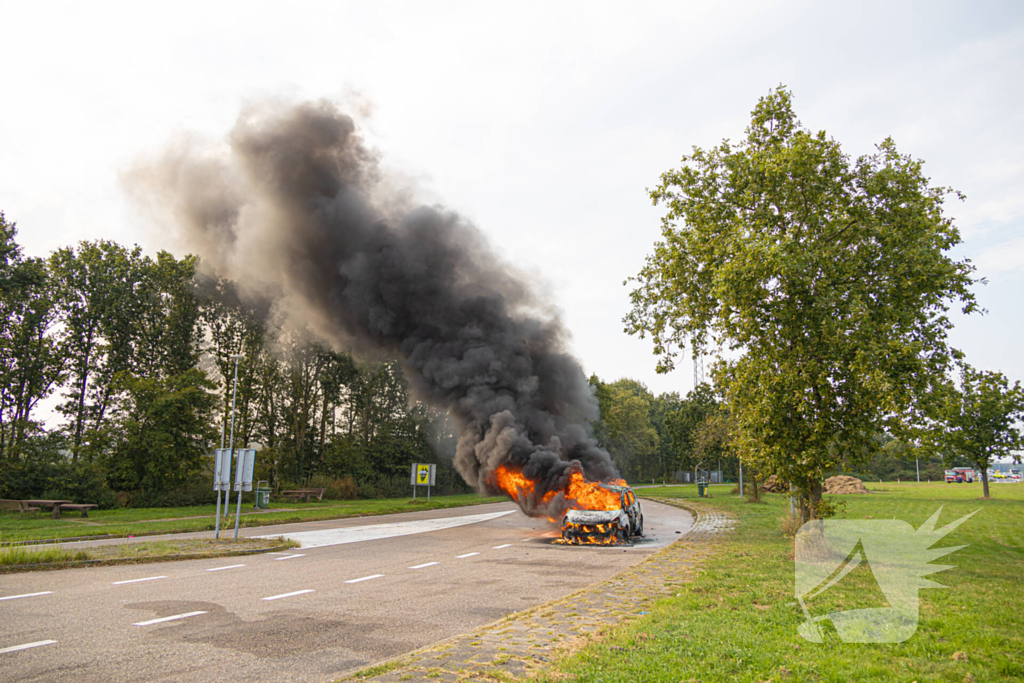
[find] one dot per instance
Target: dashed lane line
(288, 557)
(288, 595)
(26, 595)
(459, 557)
(499, 547)
(161, 620)
(230, 566)
(366, 578)
(26, 646)
(148, 578)
(425, 564)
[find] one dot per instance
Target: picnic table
(76, 507)
(306, 493)
(60, 505)
(16, 505)
(52, 504)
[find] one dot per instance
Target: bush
(336, 488)
(81, 482)
(196, 490)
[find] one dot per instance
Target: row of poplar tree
(117, 382)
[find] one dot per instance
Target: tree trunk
(809, 495)
(815, 498)
(984, 481)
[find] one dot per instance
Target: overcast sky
(541, 122)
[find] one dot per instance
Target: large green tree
(96, 286)
(159, 434)
(31, 364)
(682, 425)
(625, 428)
(980, 420)
(825, 278)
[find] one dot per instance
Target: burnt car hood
(593, 516)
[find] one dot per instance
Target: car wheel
(640, 527)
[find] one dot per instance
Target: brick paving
(523, 643)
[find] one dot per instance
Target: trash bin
(262, 497)
(701, 487)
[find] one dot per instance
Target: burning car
(606, 527)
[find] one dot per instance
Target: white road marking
(230, 566)
(148, 578)
(288, 595)
(161, 620)
(365, 578)
(287, 557)
(499, 547)
(26, 646)
(427, 564)
(26, 595)
(459, 557)
(373, 532)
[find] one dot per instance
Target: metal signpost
(226, 481)
(221, 481)
(243, 479)
(422, 475)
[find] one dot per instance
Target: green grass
(33, 526)
(737, 620)
(22, 558)
(20, 555)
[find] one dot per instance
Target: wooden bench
(296, 494)
(19, 505)
(76, 507)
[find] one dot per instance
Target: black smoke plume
(296, 210)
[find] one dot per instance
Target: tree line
(116, 379)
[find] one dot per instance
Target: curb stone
(523, 644)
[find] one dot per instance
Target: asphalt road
(313, 614)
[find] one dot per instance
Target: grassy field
(39, 526)
(738, 620)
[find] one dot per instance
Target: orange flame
(596, 534)
(590, 495)
(580, 494)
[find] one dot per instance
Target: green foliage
(625, 428)
(826, 278)
(684, 425)
(979, 422)
(140, 349)
(30, 362)
(160, 434)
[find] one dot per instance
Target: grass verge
(738, 619)
(40, 527)
(27, 558)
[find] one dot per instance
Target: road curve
(312, 614)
